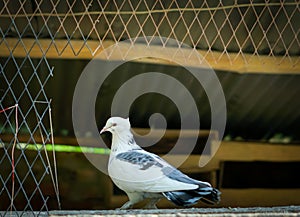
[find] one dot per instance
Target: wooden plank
(253, 151)
(259, 197)
(227, 151)
(169, 138)
(78, 49)
(51, 49)
(240, 151)
(26, 138)
(233, 151)
(155, 133)
(174, 133)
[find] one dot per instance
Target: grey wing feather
(143, 160)
(175, 174)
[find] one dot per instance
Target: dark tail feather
(191, 197)
(182, 198)
(213, 198)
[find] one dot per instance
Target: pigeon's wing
(176, 174)
(140, 170)
(143, 160)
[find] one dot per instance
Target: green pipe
(64, 148)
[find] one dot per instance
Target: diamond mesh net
(234, 33)
(223, 30)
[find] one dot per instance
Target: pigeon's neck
(122, 142)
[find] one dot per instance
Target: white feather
(130, 178)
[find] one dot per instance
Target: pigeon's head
(116, 124)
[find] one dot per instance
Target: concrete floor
(285, 211)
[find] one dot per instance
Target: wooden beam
(79, 49)
(227, 151)
(169, 139)
(254, 151)
(259, 197)
(239, 151)
(174, 133)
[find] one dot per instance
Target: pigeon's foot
(134, 198)
(152, 203)
(126, 205)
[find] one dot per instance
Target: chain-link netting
(25, 120)
(224, 32)
(232, 31)
(25, 130)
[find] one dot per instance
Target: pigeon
(144, 175)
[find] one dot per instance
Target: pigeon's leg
(126, 205)
(153, 199)
(133, 199)
(152, 203)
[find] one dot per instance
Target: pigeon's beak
(104, 129)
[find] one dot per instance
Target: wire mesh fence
(23, 171)
(244, 32)
(248, 29)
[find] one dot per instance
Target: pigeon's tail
(208, 195)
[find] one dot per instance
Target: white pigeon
(144, 175)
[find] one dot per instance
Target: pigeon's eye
(114, 124)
